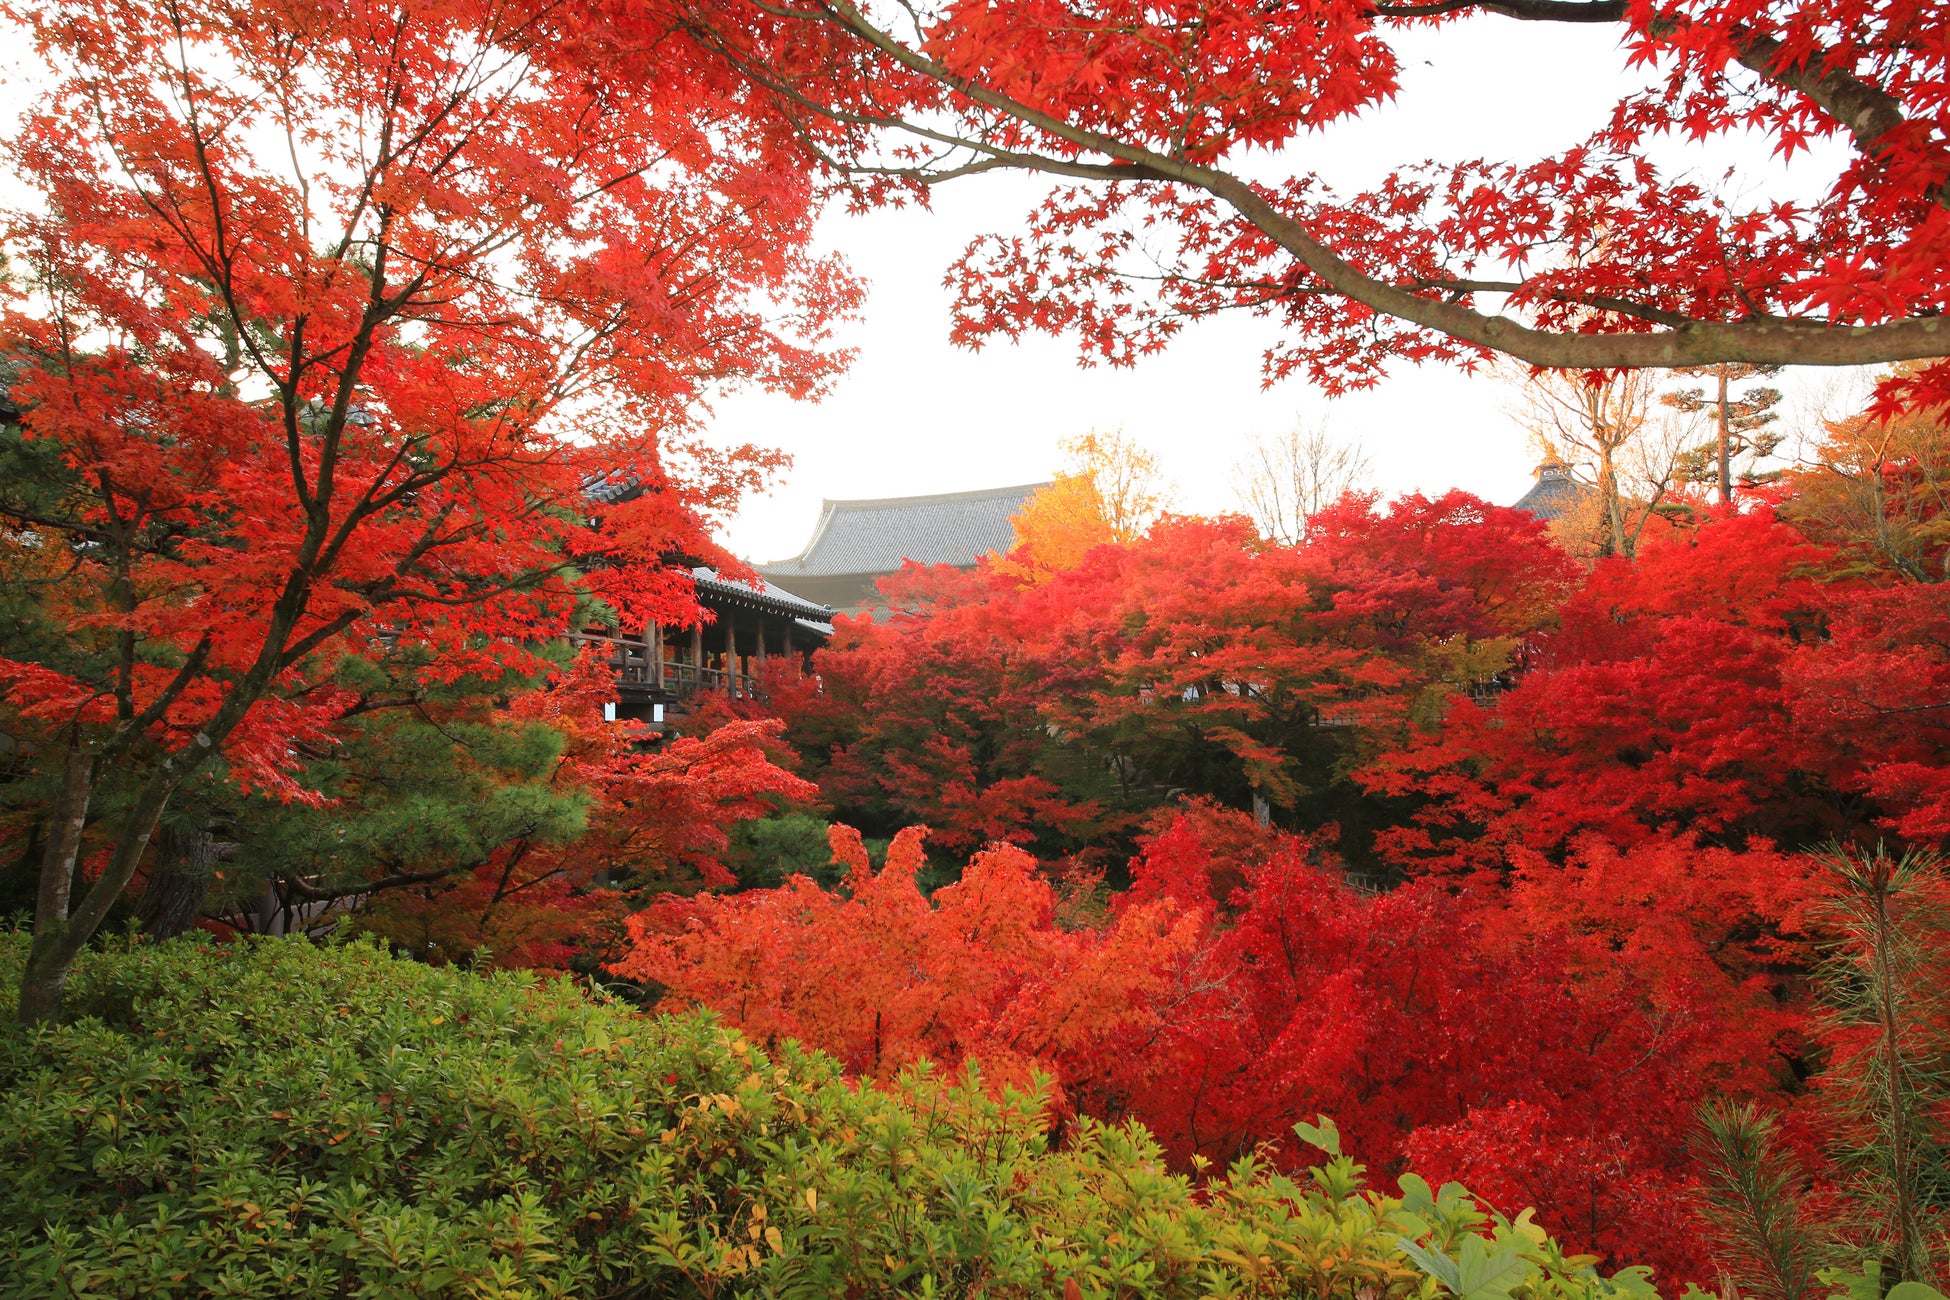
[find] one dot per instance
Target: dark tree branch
(1686, 342)
(1868, 112)
(1533, 11)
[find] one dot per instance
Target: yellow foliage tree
(1129, 483)
(1879, 490)
(1056, 528)
(1110, 492)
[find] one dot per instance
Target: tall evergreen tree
(1740, 420)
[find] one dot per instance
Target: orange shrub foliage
(1240, 986)
(880, 975)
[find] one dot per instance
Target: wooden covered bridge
(660, 671)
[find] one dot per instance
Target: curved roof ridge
(819, 531)
(1023, 490)
(763, 593)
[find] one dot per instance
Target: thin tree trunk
(44, 976)
(1726, 453)
(60, 933)
(1616, 542)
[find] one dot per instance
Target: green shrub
(275, 1119)
(765, 851)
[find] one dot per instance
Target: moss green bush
(766, 851)
(275, 1119)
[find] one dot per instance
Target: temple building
(1556, 492)
(855, 543)
(659, 669)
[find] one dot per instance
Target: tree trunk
(45, 975)
(1726, 453)
(184, 864)
(1616, 541)
(59, 933)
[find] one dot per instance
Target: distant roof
(870, 537)
(764, 596)
(1555, 493)
(611, 487)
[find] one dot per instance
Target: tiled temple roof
(765, 596)
(876, 536)
(1555, 493)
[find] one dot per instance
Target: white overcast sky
(916, 415)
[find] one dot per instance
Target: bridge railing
(634, 664)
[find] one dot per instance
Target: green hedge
(275, 1119)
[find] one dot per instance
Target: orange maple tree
(882, 976)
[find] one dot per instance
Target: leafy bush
(768, 851)
(271, 1118)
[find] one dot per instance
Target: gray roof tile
(608, 489)
(1554, 494)
(864, 537)
(778, 599)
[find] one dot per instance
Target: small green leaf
(1484, 1275)
(1325, 1135)
(1417, 1199)
(1866, 1285)
(1434, 1263)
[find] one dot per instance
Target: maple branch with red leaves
(952, 85)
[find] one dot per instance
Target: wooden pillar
(653, 646)
(697, 655)
(761, 641)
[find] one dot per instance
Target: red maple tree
(934, 715)
(1717, 687)
(327, 315)
(1057, 707)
